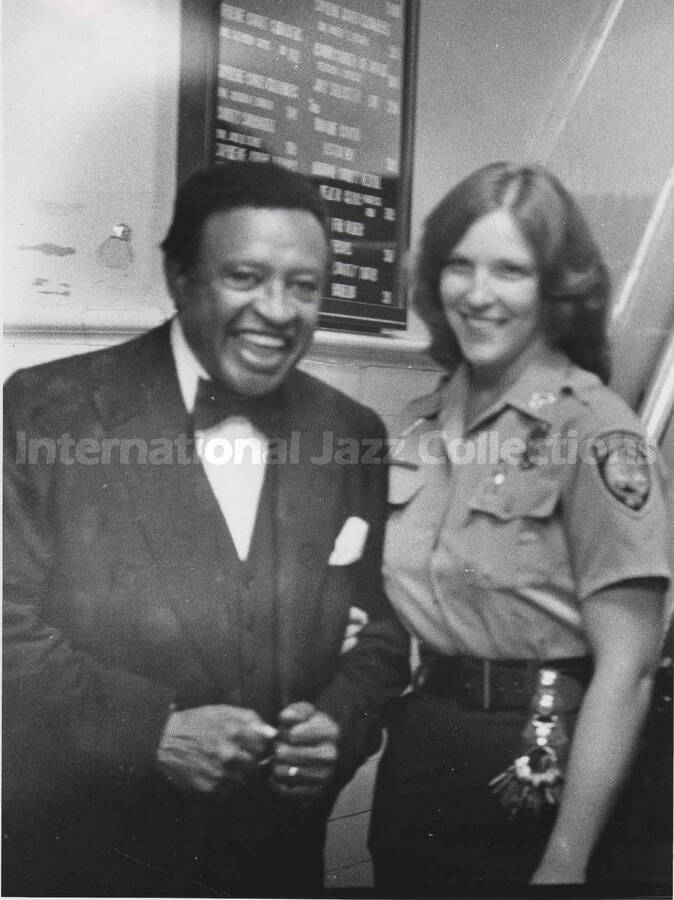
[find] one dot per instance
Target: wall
(90, 118)
(90, 124)
(90, 113)
(487, 75)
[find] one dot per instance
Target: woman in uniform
(526, 551)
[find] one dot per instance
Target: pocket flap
(520, 496)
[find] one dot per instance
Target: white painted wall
(90, 111)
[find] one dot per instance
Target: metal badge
(534, 453)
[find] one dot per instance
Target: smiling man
(181, 707)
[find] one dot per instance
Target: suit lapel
(183, 525)
(307, 522)
(175, 507)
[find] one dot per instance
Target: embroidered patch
(623, 467)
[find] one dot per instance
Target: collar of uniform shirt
(534, 393)
(540, 386)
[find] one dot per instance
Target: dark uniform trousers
(434, 811)
(439, 831)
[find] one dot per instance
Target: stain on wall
(50, 249)
(47, 286)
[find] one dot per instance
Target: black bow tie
(215, 403)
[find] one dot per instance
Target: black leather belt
(500, 684)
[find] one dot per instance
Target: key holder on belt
(534, 781)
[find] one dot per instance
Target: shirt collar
(188, 368)
(535, 393)
(540, 386)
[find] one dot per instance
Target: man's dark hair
(232, 185)
(575, 284)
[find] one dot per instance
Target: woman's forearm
(604, 744)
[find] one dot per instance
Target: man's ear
(175, 281)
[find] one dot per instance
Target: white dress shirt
(233, 453)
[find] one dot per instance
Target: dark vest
(249, 605)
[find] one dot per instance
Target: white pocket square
(350, 542)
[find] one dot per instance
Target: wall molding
(332, 347)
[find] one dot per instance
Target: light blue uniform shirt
(502, 527)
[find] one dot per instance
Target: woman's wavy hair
(575, 283)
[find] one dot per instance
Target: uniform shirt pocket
(520, 514)
(517, 495)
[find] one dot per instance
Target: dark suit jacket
(113, 611)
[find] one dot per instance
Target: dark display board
(324, 88)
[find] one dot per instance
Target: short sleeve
(615, 512)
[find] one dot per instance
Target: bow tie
(215, 403)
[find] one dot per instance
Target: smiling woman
(531, 567)
(489, 289)
(552, 233)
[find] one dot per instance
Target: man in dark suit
(181, 559)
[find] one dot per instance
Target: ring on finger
(293, 771)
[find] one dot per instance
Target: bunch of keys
(534, 781)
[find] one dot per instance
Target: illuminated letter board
(324, 88)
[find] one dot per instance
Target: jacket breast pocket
(522, 515)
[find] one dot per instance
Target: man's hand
(213, 748)
(305, 755)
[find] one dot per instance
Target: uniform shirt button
(499, 478)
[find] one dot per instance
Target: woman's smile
(490, 292)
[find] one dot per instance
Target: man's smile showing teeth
(262, 351)
(250, 303)
(262, 340)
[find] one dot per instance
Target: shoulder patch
(623, 467)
